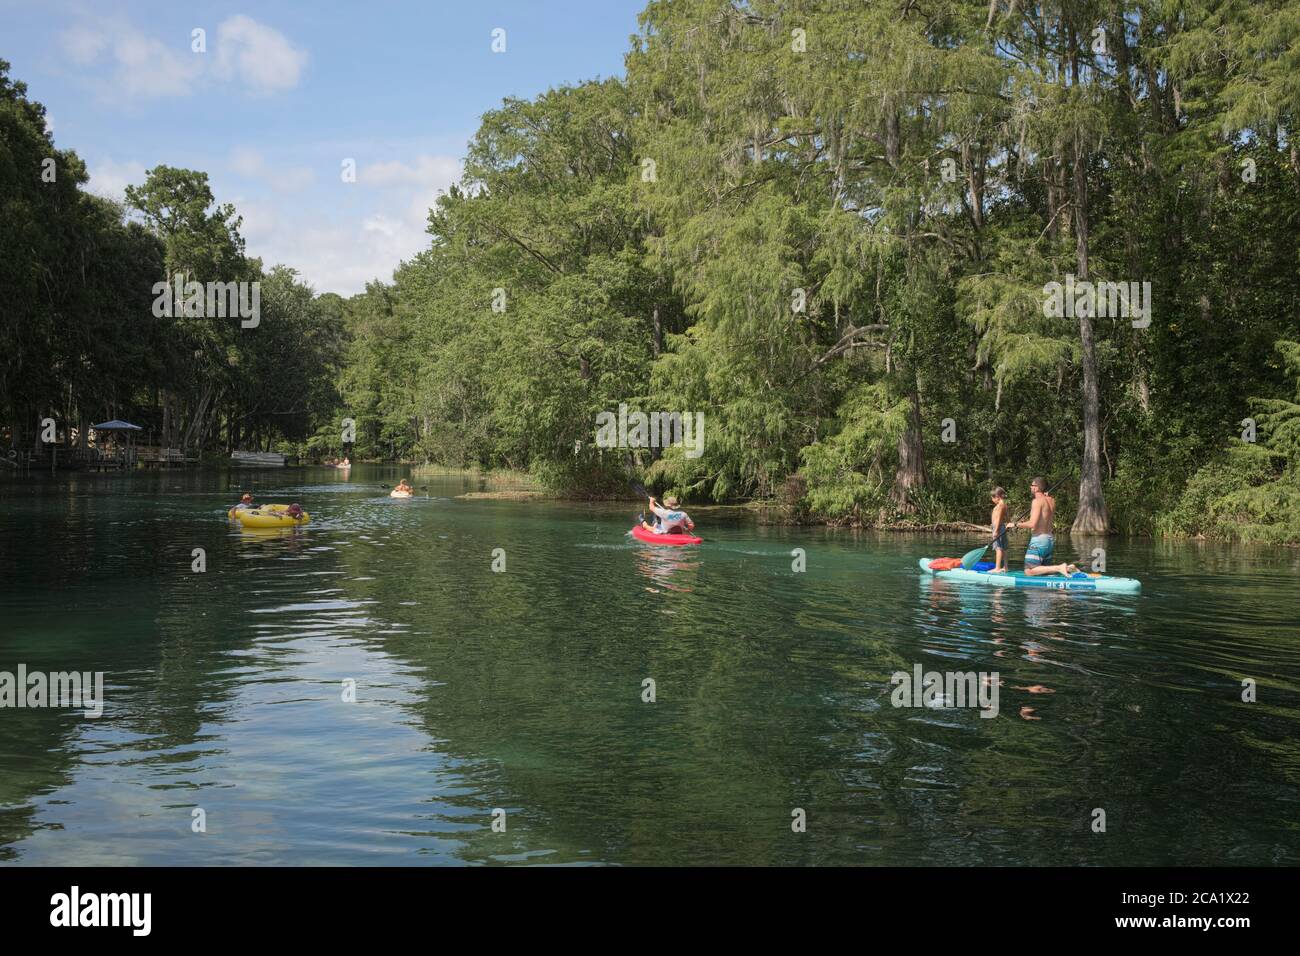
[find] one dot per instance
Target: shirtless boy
(999, 528)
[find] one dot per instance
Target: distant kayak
(1054, 582)
(677, 540)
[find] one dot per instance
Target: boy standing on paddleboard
(999, 528)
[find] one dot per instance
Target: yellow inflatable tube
(233, 513)
(266, 518)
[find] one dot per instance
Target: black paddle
(640, 490)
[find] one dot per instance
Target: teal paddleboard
(1054, 582)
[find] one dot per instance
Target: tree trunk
(1092, 517)
(990, 439)
(892, 139)
(910, 476)
(209, 419)
(198, 422)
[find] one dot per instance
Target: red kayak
(649, 537)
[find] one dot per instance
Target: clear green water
(522, 690)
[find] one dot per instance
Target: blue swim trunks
(1039, 550)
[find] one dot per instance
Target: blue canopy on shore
(117, 426)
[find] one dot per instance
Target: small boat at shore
(257, 459)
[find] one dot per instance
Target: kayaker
(404, 488)
(671, 519)
(998, 527)
(245, 503)
(1041, 539)
(294, 511)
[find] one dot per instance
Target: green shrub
(1244, 495)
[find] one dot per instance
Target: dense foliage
(829, 227)
(80, 337)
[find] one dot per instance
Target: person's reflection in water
(1040, 608)
(1039, 604)
(998, 619)
(662, 565)
(286, 540)
(999, 606)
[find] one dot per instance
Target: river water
(226, 738)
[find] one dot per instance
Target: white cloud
(436, 171)
(335, 246)
(110, 178)
(84, 44)
(384, 225)
(250, 163)
(420, 204)
(142, 66)
(337, 252)
(334, 257)
(258, 56)
(246, 161)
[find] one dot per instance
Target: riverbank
(1241, 515)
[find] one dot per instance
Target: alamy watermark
(1118, 300)
(655, 430)
(58, 689)
(76, 909)
(949, 689)
(209, 300)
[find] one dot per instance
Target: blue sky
(287, 90)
